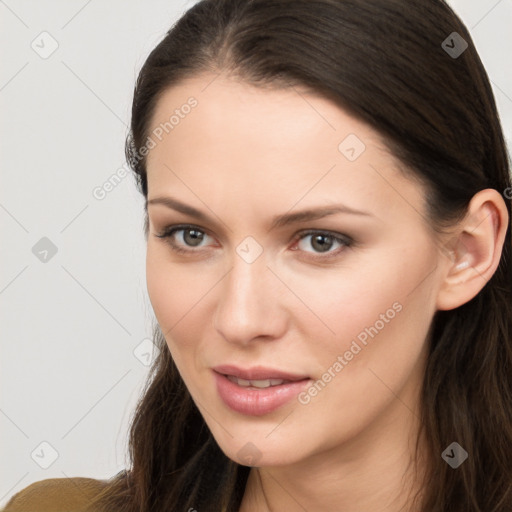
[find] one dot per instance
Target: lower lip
(257, 402)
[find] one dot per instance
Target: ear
(475, 250)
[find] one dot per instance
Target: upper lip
(257, 373)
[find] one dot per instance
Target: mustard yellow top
(56, 495)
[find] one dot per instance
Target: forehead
(229, 109)
(244, 143)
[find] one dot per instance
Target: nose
(249, 305)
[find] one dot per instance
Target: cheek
(374, 315)
(381, 318)
(173, 291)
(161, 287)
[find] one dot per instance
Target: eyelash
(344, 240)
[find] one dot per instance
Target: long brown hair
(384, 63)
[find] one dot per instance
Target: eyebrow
(278, 221)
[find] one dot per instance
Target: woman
(328, 259)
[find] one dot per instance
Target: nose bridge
(247, 306)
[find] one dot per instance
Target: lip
(257, 373)
(257, 402)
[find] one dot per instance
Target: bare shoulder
(56, 495)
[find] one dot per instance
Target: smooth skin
(242, 156)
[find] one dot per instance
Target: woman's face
(339, 299)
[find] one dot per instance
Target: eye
(322, 243)
(190, 235)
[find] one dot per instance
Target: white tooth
(260, 383)
(255, 383)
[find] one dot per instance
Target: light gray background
(70, 326)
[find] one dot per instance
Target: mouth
(257, 391)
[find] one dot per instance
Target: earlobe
(475, 250)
